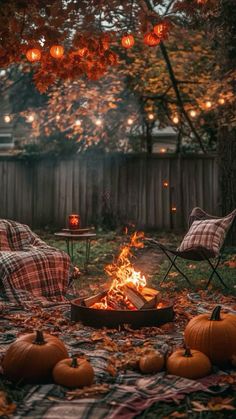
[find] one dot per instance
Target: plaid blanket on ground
(128, 392)
(27, 263)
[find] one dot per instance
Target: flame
(122, 273)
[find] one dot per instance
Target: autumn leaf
(6, 407)
(214, 404)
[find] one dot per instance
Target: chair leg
(168, 270)
(176, 267)
(214, 271)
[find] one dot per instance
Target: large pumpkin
(31, 357)
(73, 372)
(151, 362)
(213, 335)
(188, 363)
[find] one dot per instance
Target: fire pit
(115, 318)
(127, 301)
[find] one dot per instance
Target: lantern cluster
(34, 54)
(152, 39)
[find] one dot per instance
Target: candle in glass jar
(74, 221)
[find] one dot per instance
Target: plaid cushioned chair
(28, 264)
(203, 241)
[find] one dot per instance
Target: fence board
(45, 192)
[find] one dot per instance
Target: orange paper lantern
(33, 54)
(127, 41)
(74, 221)
(151, 39)
(161, 30)
(83, 52)
(57, 51)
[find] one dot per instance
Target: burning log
(90, 301)
(138, 299)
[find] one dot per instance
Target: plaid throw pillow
(207, 235)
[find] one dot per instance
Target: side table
(70, 238)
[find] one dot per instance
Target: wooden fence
(137, 188)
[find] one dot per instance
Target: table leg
(87, 254)
(70, 249)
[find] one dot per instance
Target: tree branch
(178, 95)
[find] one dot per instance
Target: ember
(128, 288)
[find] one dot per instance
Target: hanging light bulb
(208, 104)
(30, 118)
(58, 117)
(193, 113)
(151, 116)
(221, 101)
(78, 123)
(130, 121)
(7, 119)
(175, 119)
(98, 122)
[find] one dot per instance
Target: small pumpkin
(188, 363)
(31, 357)
(73, 372)
(213, 335)
(151, 362)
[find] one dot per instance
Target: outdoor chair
(29, 266)
(203, 242)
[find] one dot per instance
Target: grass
(106, 247)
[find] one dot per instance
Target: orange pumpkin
(213, 335)
(188, 363)
(233, 360)
(32, 357)
(73, 372)
(151, 362)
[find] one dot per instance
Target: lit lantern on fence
(74, 221)
(57, 51)
(127, 41)
(33, 54)
(151, 39)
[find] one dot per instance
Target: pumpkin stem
(215, 315)
(74, 362)
(187, 352)
(39, 339)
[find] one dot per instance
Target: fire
(122, 274)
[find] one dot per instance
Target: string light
(98, 122)
(165, 184)
(163, 150)
(175, 119)
(30, 118)
(7, 119)
(173, 209)
(193, 113)
(151, 116)
(208, 104)
(58, 117)
(130, 121)
(78, 122)
(221, 101)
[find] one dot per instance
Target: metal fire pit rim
(73, 302)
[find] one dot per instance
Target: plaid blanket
(27, 263)
(128, 393)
